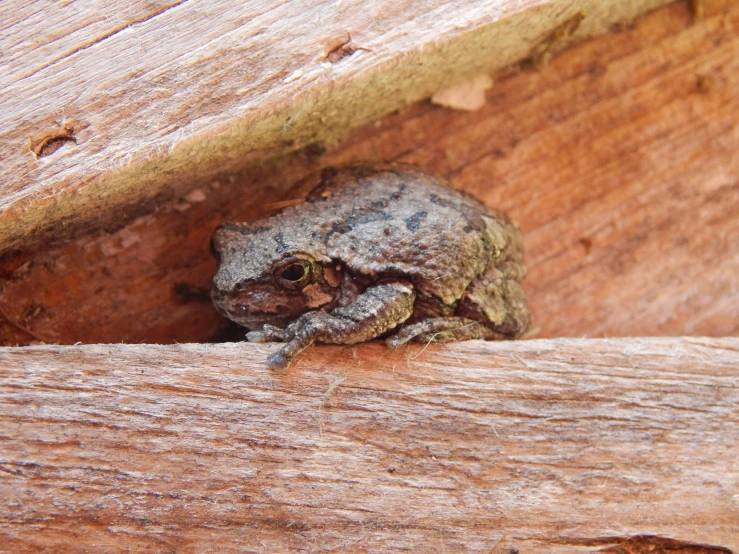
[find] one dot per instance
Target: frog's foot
(301, 334)
(442, 329)
(373, 313)
(280, 360)
(269, 333)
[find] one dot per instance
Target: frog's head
(264, 277)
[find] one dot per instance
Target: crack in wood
(101, 39)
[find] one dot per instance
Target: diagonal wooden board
(149, 99)
(568, 445)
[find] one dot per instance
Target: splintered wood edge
(568, 445)
(307, 111)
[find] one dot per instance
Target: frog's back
(395, 221)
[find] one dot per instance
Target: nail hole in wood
(49, 142)
(340, 48)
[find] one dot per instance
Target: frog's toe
(268, 333)
(275, 334)
(394, 342)
(404, 336)
(279, 361)
(256, 336)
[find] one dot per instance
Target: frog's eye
(294, 275)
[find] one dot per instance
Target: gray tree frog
(374, 251)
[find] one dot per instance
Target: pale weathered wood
(160, 96)
(618, 160)
(545, 446)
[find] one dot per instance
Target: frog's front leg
(442, 329)
(377, 310)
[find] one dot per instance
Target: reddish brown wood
(543, 446)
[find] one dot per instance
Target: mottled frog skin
(374, 251)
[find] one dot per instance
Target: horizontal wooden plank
(111, 103)
(618, 160)
(540, 446)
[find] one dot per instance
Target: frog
(373, 251)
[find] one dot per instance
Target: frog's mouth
(245, 314)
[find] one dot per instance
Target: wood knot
(48, 142)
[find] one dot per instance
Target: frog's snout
(228, 305)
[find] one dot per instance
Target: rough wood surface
(544, 446)
(618, 160)
(118, 102)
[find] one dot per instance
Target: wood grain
(162, 95)
(618, 159)
(542, 446)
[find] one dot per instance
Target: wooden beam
(540, 446)
(116, 104)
